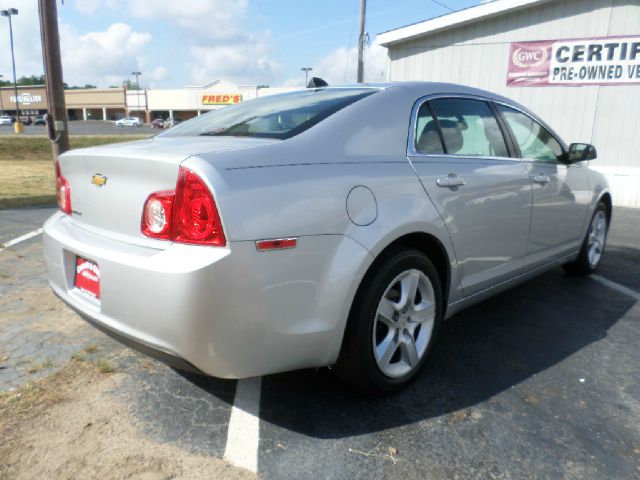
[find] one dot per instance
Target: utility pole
(361, 41)
(57, 124)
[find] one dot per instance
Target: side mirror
(579, 152)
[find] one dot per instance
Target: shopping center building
(82, 104)
(576, 63)
(116, 103)
(32, 100)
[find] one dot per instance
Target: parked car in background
(157, 123)
(40, 120)
(129, 122)
(5, 120)
(26, 120)
(329, 226)
(172, 121)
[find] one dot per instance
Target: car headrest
(452, 134)
(429, 141)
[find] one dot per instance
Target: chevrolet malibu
(335, 226)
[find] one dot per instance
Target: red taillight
(156, 217)
(188, 215)
(64, 191)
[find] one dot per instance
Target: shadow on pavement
(481, 352)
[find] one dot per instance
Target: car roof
(419, 89)
(422, 88)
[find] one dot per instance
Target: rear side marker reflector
(277, 244)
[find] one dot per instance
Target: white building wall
(477, 54)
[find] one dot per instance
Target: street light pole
(137, 74)
(361, 41)
(306, 71)
(9, 13)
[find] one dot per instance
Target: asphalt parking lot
(541, 381)
(89, 127)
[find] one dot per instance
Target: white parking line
(244, 426)
(22, 238)
(616, 286)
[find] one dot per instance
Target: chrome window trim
(411, 148)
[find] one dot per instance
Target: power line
(437, 2)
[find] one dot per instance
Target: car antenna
(316, 82)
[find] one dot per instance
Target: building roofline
(451, 20)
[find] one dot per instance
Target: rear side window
(535, 141)
(277, 116)
(469, 128)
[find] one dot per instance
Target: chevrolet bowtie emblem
(99, 180)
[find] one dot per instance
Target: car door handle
(541, 178)
(451, 180)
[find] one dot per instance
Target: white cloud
(26, 38)
(245, 62)
(101, 58)
(341, 65)
(87, 7)
(157, 74)
(219, 44)
(220, 20)
(92, 7)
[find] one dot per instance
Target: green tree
(37, 80)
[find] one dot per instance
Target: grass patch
(39, 395)
(36, 367)
(78, 357)
(26, 171)
(39, 148)
(31, 396)
(104, 366)
(91, 349)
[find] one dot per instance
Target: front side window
(469, 127)
(278, 116)
(535, 141)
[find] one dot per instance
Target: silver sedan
(336, 226)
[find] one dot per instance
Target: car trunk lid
(110, 184)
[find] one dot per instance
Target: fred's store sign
(221, 98)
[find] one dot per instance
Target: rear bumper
(169, 358)
(229, 312)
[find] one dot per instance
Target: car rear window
(278, 116)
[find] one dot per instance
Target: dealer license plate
(88, 278)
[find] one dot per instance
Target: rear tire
(393, 323)
(593, 245)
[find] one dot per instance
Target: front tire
(393, 323)
(593, 245)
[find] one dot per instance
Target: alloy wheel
(597, 238)
(404, 323)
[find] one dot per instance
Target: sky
(194, 42)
